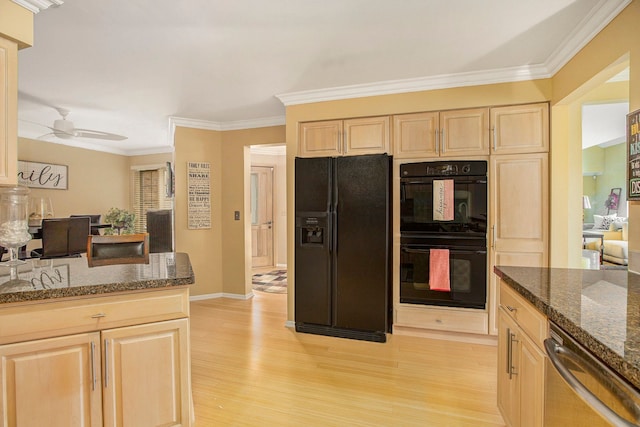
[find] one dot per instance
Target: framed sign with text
(43, 175)
(199, 195)
(633, 144)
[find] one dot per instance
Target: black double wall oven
(428, 189)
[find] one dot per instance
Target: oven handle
(458, 180)
(451, 250)
(554, 349)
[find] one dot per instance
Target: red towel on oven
(439, 270)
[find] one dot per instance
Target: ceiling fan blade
(46, 135)
(88, 133)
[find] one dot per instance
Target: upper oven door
(470, 205)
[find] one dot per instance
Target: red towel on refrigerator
(439, 270)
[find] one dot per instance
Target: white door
(262, 216)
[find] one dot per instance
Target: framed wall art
(43, 175)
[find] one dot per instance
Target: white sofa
(616, 244)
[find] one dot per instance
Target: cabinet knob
(98, 315)
(511, 309)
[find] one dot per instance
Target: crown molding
(220, 126)
(503, 75)
(599, 17)
(36, 6)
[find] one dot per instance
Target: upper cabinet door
(369, 135)
(464, 132)
(520, 129)
(415, 135)
(320, 139)
(8, 115)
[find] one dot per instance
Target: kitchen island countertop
(72, 277)
(598, 308)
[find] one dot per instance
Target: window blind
(149, 193)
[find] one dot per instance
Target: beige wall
(97, 181)
(615, 44)
(16, 23)
(220, 256)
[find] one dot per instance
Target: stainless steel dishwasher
(581, 391)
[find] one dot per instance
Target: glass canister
(14, 226)
(40, 208)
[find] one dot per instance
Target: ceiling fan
(63, 128)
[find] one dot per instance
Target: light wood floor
(248, 369)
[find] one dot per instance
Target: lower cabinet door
(508, 379)
(146, 375)
(51, 382)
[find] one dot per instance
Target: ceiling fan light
(62, 125)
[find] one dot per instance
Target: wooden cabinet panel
(31, 321)
(464, 132)
(522, 259)
(320, 139)
(521, 363)
(467, 321)
(531, 362)
(520, 203)
(415, 135)
(441, 134)
(133, 375)
(508, 385)
(369, 135)
(51, 382)
(520, 129)
(529, 319)
(518, 216)
(8, 112)
(146, 380)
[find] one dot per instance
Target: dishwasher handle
(553, 350)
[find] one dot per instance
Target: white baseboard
(220, 295)
(281, 265)
(289, 324)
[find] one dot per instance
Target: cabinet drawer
(530, 320)
(442, 319)
(55, 318)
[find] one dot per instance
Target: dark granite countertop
(72, 277)
(599, 308)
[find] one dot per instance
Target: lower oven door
(467, 275)
(581, 391)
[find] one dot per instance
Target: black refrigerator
(342, 252)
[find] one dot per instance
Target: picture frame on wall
(43, 175)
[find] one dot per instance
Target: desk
(587, 234)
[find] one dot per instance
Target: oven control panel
(452, 168)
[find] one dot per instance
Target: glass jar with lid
(14, 226)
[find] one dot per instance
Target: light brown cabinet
(52, 382)
(520, 129)
(521, 361)
(332, 138)
(9, 112)
(518, 215)
(453, 133)
(131, 367)
(144, 379)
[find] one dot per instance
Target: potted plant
(121, 221)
